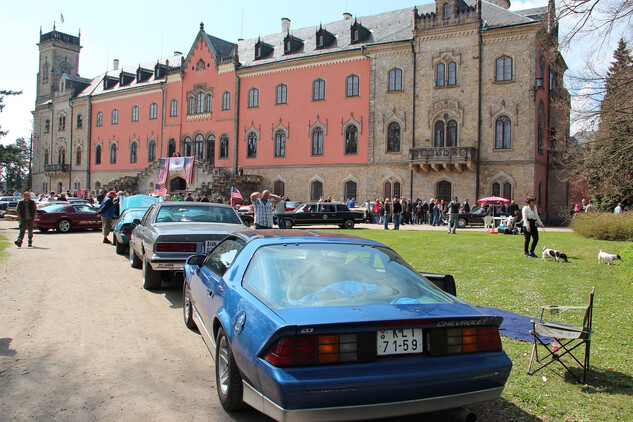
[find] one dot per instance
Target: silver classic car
(170, 232)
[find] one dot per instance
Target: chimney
(347, 16)
(115, 64)
(285, 25)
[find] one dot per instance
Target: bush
(605, 226)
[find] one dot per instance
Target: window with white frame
(395, 80)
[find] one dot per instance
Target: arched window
(350, 189)
(210, 148)
(115, 116)
(224, 147)
(200, 103)
(251, 145)
(317, 141)
(133, 152)
(187, 147)
(541, 127)
(46, 156)
(80, 121)
(352, 86)
(318, 90)
(279, 188)
(452, 74)
(226, 101)
(97, 185)
(440, 71)
(503, 69)
(253, 97)
(135, 113)
(351, 140)
(396, 189)
(443, 191)
(387, 190)
(78, 156)
(507, 190)
(113, 154)
(280, 143)
(47, 126)
(77, 185)
(61, 156)
(281, 96)
(451, 133)
(208, 107)
(60, 187)
(503, 132)
(99, 119)
(438, 138)
(395, 80)
(541, 65)
(173, 108)
(151, 151)
(45, 76)
(153, 111)
(62, 122)
(171, 147)
(198, 147)
(191, 105)
(496, 189)
(316, 190)
(98, 154)
(393, 137)
(44, 186)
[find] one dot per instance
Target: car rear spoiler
(445, 282)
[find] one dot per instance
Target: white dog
(557, 255)
(607, 257)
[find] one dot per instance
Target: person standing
(590, 207)
(263, 208)
(107, 213)
(453, 215)
(531, 221)
(189, 197)
(280, 211)
(351, 203)
(377, 206)
(397, 213)
(26, 212)
(618, 209)
(466, 206)
(386, 213)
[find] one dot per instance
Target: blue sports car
(305, 325)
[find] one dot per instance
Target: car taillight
(321, 349)
(453, 341)
(175, 247)
(127, 230)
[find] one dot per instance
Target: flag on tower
(62, 17)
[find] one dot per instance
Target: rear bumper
(167, 264)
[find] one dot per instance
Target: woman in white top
(531, 221)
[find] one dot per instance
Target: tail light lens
(319, 350)
(453, 341)
(127, 230)
(175, 247)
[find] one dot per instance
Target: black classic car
(320, 213)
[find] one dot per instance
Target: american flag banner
(235, 194)
(188, 164)
(160, 190)
(164, 171)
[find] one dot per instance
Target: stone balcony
(449, 159)
(56, 168)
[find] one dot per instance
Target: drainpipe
(415, 63)
(70, 152)
(163, 117)
(50, 154)
(479, 118)
(236, 119)
(88, 144)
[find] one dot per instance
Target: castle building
(453, 98)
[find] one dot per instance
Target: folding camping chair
(567, 339)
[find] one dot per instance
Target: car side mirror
(196, 260)
(136, 221)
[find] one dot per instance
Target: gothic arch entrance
(177, 184)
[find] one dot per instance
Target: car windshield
(300, 275)
(198, 214)
(132, 214)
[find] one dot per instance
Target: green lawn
(490, 270)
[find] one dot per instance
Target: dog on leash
(607, 257)
(557, 255)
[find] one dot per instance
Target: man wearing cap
(107, 212)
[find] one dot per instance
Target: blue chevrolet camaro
(305, 325)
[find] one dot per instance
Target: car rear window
(55, 208)
(199, 214)
(314, 275)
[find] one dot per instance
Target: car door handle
(209, 293)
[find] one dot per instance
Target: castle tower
(59, 54)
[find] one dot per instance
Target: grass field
(490, 270)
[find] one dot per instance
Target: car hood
(194, 228)
(375, 313)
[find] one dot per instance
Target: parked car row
(306, 325)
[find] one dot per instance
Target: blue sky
(142, 31)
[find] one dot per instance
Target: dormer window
(292, 44)
(125, 78)
(359, 33)
(143, 74)
(160, 70)
(263, 50)
(324, 38)
(110, 82)
(288, 47)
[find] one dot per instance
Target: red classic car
(66, 217)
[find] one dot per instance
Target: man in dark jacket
(106, 211)
(26, 211)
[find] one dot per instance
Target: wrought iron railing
(443, 154)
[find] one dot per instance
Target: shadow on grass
(604, 381)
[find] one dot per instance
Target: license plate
(397, 342)
(208, 245)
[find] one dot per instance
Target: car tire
(43, 230)
(348, 224)
(152, 279)
(227, 376)
(461, 223)
(64, 225)
(135, 262)
(187, 308)
(289, 223)
(120, 247)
